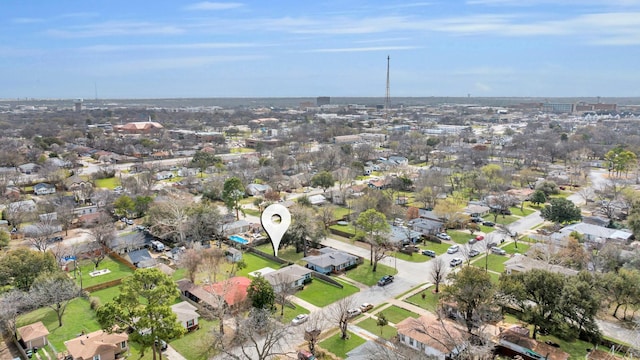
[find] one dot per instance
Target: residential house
(29, 168)
(521, 263)
(592, 233)
(197, 294)
(438, 338)
(44, 189)
(164, 175)
(141, 258)
(33, 335)
(317, 199)
(257, 189)
(401, 235)
(75, 182)
(187, 315)
(515, 341)
(236, 227)
(185, 171)
(233, 291)
(294, 275)
(330, 261)
(426, 226)
(98, 345)
(476, 210)
(399, 160)
(22, 206)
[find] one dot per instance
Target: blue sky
(163, 48)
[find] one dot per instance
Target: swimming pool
(238, 239)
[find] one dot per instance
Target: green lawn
(364, 275)
(252, 212)
(515, 210)
(341, 347)
(430, 301)
(562, 194)
(320, 293)
(511, 248)
(288, 253)
(349, 228)
(290, 313)
(371, 325)
(505, 220)
(486, 229)
(496, 262)
(459, 237)
(396, 314)
(241, 150)
(106, 295)
(414, 257)
(438, 248)
(118, 271)
(340, 212)
(180, 273)
(77, 317)
(109, 183)
(255, 262)
(196, 345)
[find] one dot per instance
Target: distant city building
(558, 108)
(323, 100)
(77, 105)
(139, 127)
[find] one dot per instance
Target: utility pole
(387, 97)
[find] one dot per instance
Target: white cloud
(364, 49)
(153, 64)
(115, 28)
(194, 46)
(25, 20)
(207, 5)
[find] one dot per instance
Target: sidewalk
(305, 304)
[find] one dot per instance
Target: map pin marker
(275, 230)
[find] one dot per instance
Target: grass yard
(396, 314)
(562, 194)
(252, 212)
(505, 220)
(241, 150)
(486, 229)
(341, 347)
(495, 278)
(438, 248)
(196, 345)
(109, 183)
(364, 275)
(320, 293)
(459, 237)
(496, 262)
(118, 271)
(288, 253)
(349, 228)
(77, 317)
(515, 210)
(511, 248)
(340, 212)
(290, 313)
(106, 295)
(180, 273)
(414, 257)
(430, 301)
(371, 325)
(254, 262)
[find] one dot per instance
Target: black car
(55, 239)
(387, 279)
(489, 223)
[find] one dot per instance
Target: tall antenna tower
(387, 96)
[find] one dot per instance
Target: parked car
(161, 344)
(353, 313)
(455, 262)
(473, 241)
(443, 236)
(489, 223)
(474, 253)
(453, 249)
(387, 279)
(129, 222)
(429, 253)
(300, 319)
(366, 307)
(498, 251)
(305, 355)
(55, 239)
(476, 219)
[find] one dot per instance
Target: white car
(443, 236)
(453, 249)
(353, 313)
(300, 319)
(455, 262)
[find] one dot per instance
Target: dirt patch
(8, 349)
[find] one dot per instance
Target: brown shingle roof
(33, 331)
(86, 346)
(427, 329)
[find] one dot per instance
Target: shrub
(94, 303)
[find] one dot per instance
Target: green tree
(202, 160)
(323, 179)
(581, 304)
(538, 197)
(382, 322)
(622, 288)
(261, 293)
(561, 211)
(305, 226)
(141, 204)
(21, 266)
(232, 193)
(144, 305)
(472, 291)
(375, 224)
(124, 205)
(620, 160)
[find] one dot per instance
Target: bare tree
(211, 261)
(190, 260)
(39, 235)
(340, 314)
(283, 286)
(55, 291)
(65, 215)
(312, 331)
(12, 304)
(171, 218)
(438, 271)
(257, 337)
(101, 234)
